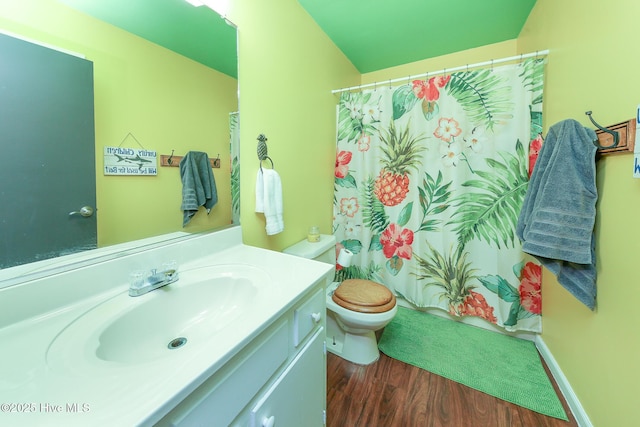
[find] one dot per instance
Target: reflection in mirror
(156, 77)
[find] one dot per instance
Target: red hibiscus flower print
(428, 90)
(342, 161)
(530, 288)
(396, 241)
(534, 149)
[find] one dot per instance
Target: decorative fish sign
(137, 159)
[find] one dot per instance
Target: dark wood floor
(391, 393)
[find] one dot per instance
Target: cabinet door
(298, 397)
(227, 392)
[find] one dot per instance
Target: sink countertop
(32, 393)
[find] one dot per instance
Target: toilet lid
(364, 296)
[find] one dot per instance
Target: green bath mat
(502, 366)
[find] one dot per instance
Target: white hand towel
(260, 192)
(269, 200)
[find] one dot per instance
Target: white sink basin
(164, 323)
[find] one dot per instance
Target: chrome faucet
(153, 281)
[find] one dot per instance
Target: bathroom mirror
(150, 94)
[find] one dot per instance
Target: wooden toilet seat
(364, 296)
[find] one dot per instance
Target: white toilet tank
(323, 251)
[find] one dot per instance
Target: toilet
(356, 308)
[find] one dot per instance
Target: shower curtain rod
(445, 70)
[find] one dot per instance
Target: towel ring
(266, 157)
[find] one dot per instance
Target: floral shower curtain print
(430, 177)
(234, 142)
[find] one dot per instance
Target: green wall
(164, 100)
(287, 69)
(458, 59)
(592, 66)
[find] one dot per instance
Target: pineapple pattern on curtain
(430, 177)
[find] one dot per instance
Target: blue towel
(558, 214)
(198, 184)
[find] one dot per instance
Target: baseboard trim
(565, 388)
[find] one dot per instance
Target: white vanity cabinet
(278, 379)
(296, 397)
(253, 320)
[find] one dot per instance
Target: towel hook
(169, 160)
(615, 134)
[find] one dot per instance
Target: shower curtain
(234, 142)
(430, 177)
